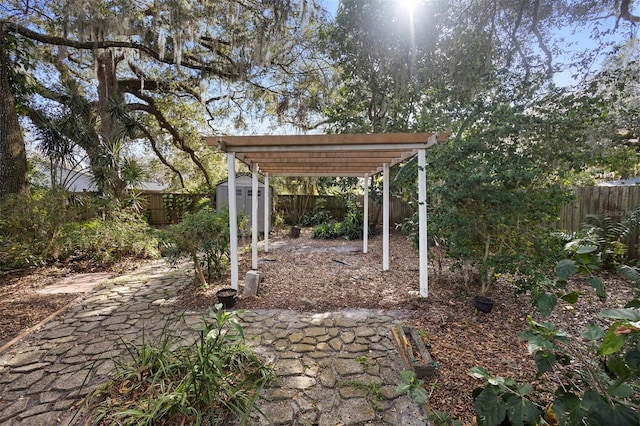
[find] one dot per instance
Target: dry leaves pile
(312, 275)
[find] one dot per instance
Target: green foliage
(202, 237)
(598, 376)
(599, 247)
(318, 217)
(601, 243)
(123, 234)
(176, 205)
(350, 228)
(21, 62)
(503, 399)
(171, 381)
(440, 418)
(410, 384)
(51, 226)
(491, 208)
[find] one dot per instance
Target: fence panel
(292, 207)
(616, 202)
(156, 208)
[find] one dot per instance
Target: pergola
(341, 155)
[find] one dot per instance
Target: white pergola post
(385, 217)
(267, 212)
(233, 219)
(365, 215)
(254, 217)
(422, 217)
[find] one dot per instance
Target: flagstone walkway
(337, 368)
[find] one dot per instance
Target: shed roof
(325, 155)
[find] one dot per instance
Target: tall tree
(13, 157)
(421, 68)
(230, 60)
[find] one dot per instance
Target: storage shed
(243, 198)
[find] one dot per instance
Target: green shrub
(123, 234)
(350, 228)
(605, 239)
(172, 382)
(596, 375)
(27, 225)
(203, 237)
(51, 226)
(324, 231)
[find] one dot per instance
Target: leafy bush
(324, 231)
(123, 234)
(602, 389)
(176, 205)
(203, 237)
(173, 382)
(316, 218)
(605, 238)
(50, 226)
(350, 228)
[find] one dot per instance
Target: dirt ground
(310, 275)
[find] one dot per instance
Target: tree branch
(535, 30)
(179, 142)
(153, 84)
(626, 14)
(154, 147)
(189, 61)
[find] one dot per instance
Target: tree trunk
(107, 169)
(13, 156)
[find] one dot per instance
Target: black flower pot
(227, 296)
(483, 304)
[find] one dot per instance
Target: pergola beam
(331, 148)
(232, 142)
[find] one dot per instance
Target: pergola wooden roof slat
(325, 155)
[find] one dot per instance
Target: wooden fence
(616, 202)
(165, 208)
(292, 207)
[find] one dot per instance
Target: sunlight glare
(409, 5)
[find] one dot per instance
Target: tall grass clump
(172, 382)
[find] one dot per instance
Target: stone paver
(333, 368)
